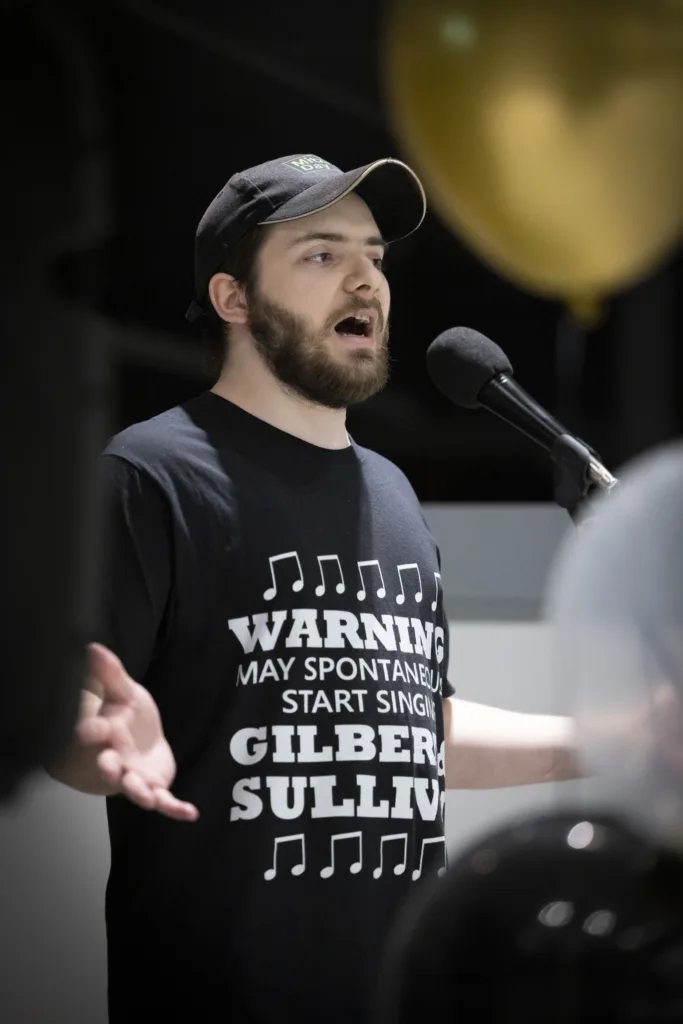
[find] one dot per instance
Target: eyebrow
(333, 236)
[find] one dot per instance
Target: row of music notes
(357, 865)
(362, 593)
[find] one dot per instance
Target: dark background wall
(180, 95)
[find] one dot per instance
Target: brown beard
(299, 358)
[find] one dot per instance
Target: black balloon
(562, 918)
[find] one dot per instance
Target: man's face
(313, 275)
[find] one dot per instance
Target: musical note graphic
(357, 865)
(270, 593)
(425, 842)
(362, 593)
(437, 577)
(298, 869)
(400, 599)
(320, 589)
(399, 868)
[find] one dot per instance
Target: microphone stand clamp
(578, 474)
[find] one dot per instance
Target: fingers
(110, 761)
(94, 731)
(120, 739)
(136, 789)
(169, 806)
(132, 785)
(110, 766)
(155, 798)
(108, 671)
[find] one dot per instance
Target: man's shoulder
(384, 472)
(147, 440)
(157, 441)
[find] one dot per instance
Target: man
(275, 593)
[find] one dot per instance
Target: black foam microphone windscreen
(461, 361)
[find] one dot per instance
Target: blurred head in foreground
(616, 605)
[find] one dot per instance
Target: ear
(227, 297)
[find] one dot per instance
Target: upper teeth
(363, 319)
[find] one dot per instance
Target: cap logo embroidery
(308, 163)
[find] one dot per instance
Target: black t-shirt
(282, 603)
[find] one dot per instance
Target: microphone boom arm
(578, 470)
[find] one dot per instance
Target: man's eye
(321, 257)
(379, 262)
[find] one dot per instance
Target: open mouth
(355, 327)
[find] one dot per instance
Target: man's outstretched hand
(122, 743)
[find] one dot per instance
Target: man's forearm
(77, 770)
(487, 747)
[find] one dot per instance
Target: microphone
(473, 372)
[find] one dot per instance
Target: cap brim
(391, 189)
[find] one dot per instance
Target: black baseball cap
(296, 186)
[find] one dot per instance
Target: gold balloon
(549, 133)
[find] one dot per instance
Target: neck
(248, 383)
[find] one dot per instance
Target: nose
(363, 277)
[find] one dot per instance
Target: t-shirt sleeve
(447, 689)
(136, 565)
